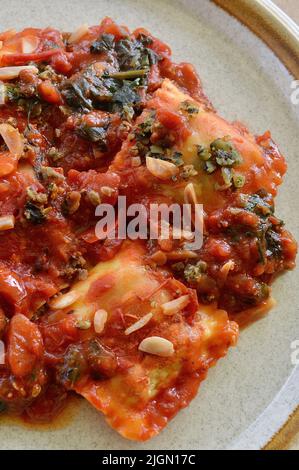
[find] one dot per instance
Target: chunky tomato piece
(25, 345)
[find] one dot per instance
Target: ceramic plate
(248, 395)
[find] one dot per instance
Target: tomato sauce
(74, 115)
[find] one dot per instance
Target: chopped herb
(126, 94)
(177, 158)
(129, 74)
(255, 203)
(273, 243)
(238, 180)
(189, 107)
(12, 92)
(93, 134)
(203, 153)
(192, 272)
(73, 366)
(34, 213)
(135, 54)
(210, 167)
(224, 153)
(103, 44)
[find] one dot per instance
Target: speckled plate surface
(250, 394)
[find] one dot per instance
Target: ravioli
(139, 392)
(186, 128)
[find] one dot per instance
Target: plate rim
(267, 21)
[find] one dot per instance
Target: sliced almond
(157, 346)
(65, 300)
(9, 73)
(2, 93)
(7, 222)
(29, 44)
(190, 197)
(13, 139)
(139, 324)
(177, 234)
(99, 320)
(190, 194)
(160, 168)
(107, 191)
(176, 305)
(77, 35)
(227, 267)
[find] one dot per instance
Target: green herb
(93, 134)
(192, 272)
(88, 91)
(126, 94)
(135, 54)
(273, 243)
(34, 213)
(129, 74)
(177, 158)
(12, 92)
(255, 203)
(203, 153)
(189, 107)
(103, 44)
(210, 167)
(224, 153)
(144, 129)
(73, 366)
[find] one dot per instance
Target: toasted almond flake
(107, 191)
(13, 139)
(29, 44)
(160, 168)
(78, 34)
(190, 197)
(190, 194)
(65, 300)
(139, 324)
(227, 267)
(8, 73)
(177, 234)
(157, 346)
(7, 222)
(99, 320)
(176, 305)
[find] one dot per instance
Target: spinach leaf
(104, 43)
